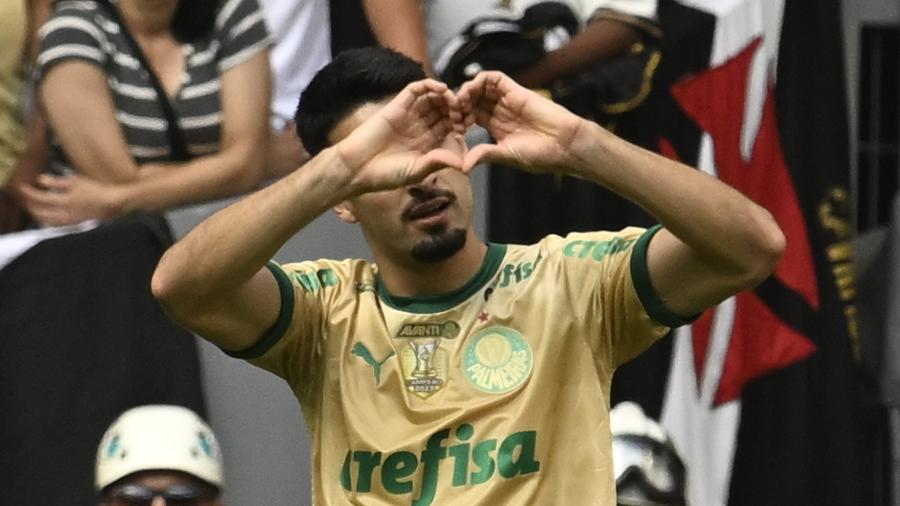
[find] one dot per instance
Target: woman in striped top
(112, 154)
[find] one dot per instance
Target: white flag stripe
(773, 12)
(704, 437)
(705, 434)
(737, 23)
(717, 349)
(757, 86)
(706, 161)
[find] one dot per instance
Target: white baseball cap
(647, 468)
(157, 438)
(628, 418)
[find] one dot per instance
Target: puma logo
(360, 350)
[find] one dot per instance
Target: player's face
(428, 221)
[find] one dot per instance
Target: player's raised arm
(715, 242)
(214, 280)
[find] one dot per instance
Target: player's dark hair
(354, 78)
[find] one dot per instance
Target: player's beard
(439, 245)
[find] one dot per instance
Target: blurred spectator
(397, 24)
(19, 20)
(81, 332)
(13, 39)
(603, 29)
(400, 25)
(301, 34)
(114, 149)
(610, 29)
(159, 452)
(572, 36)
(595, 57)
(648, 469)
(302, 27)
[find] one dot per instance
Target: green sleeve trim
(277, 330)
(645, 292)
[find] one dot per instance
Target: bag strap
(177, 143)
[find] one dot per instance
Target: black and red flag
(763, 395)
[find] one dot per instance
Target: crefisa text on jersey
(473, 463)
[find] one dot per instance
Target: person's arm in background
(611, 28)
(400, 25)
(36, 153)
(601, 39)
(286, 152)
(80, 109)
(38, 13)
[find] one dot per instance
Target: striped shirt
(81, 30)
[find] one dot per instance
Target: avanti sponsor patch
(446, 330)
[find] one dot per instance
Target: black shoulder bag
(173, 132)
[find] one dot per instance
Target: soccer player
(451, 371)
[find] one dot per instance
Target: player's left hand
(531, 132)
(55, 200)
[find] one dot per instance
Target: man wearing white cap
(159, 455)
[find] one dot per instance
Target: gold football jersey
(496, 393)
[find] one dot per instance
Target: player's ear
(345, 213)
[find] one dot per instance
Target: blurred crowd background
(125, 123)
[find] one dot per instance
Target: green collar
(425, 304)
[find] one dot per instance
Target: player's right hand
(418, 132)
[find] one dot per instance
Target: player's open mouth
(428, 210)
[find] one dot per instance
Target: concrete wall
(254, 413)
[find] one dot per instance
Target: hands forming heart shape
(421, 130)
